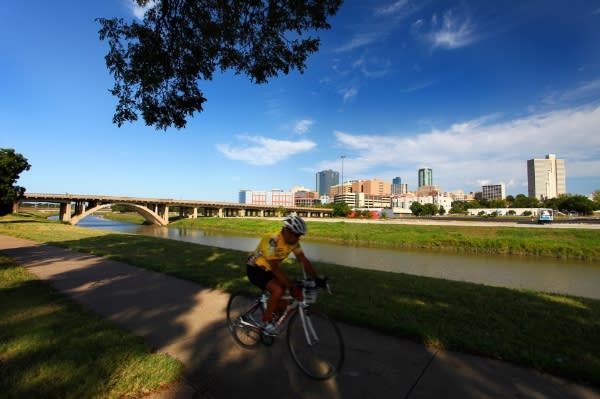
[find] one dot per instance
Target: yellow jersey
(272, 247)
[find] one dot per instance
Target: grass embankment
(558, 243)
(552, 333)
(50, 347)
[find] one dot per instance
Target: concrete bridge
(74, 207)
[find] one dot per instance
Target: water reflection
(549, 275)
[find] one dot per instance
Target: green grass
(51, 347)
(129, 217)
(552, 333)
(578, 244)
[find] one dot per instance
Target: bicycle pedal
(267, 340)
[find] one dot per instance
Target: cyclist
(264, 265)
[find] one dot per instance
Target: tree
(416, 208)
(157, 64)
(576, 203)
(498, 203)
(522, 201)
(340, 209)
(11, 166)
(596, 196)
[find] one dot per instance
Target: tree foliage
(418, 209)
(340, 209)
(572, 203)
(157, 64)
(11, 166)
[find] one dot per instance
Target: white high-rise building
(546, 177)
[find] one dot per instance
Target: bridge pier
(64, 214)
(163, 212)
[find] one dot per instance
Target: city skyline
(469, 89)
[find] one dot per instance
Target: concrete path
(187, 321)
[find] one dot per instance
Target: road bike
(314, 340)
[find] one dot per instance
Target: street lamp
(343, 156)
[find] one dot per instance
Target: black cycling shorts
(259, 276)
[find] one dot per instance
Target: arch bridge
(74, 208)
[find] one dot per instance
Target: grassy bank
(553, 333)
(557, 243)
(52, 348)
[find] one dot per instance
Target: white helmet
(295, 224)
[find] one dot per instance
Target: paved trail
(187, 321)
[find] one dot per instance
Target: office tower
(425, 177)
(326, 179)
(546, 177)
(493, 192)
(396, 186)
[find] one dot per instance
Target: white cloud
(138, 11)
(303, 126)
(448, 32)
(465, 154)
(264, 151)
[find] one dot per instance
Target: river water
(548, 275)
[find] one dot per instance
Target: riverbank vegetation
(558, 243)
(553, 333)
(51, 347)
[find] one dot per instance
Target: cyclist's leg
(276, 291)
(266, 281)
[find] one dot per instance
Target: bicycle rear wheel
(319, 349)
(243, 317)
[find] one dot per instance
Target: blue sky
(471, 89)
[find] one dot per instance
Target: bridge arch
(148, 214)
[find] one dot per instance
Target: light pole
(343, 156)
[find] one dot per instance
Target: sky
(471, 89)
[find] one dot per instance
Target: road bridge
(75, 207)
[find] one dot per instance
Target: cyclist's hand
(296, 292)
(321, 282)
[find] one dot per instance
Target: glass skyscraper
(326, 179)
(396, 185)
(425, 177)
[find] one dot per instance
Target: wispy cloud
(263, 150)
(348, 93)
(372, 67)
(303, 126)
(483, 149)
(359, 40)
(417, 87)
(584, 91)
(393, 8)
(450, 31)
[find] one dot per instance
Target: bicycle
(313, 339)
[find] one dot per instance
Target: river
(548, 275)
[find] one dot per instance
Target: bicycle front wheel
(316, 345)
(243, 317)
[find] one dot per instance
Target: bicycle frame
(319, 354)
